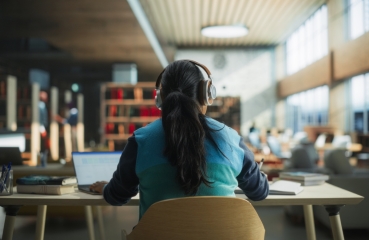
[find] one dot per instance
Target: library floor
(277, 226)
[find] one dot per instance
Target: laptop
(91, 167)
(10, 154)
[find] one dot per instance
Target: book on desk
(305, 178)
(53, 185)
(46, 180)
(47, 189)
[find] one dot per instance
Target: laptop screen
(91, 167)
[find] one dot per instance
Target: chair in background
(275, 148)
(354, 180)
(300, 159)
(199, 218)
(254, 140)
(337, 161)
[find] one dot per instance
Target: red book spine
(113, 111)
(109, 128)
(144, 111)
(120, 94)
(131, 128)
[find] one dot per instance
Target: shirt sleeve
(124, 183)
(253, 183)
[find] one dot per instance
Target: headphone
(206, 91)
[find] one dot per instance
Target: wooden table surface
(325, 194)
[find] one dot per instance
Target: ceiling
(178, 22)
(87, 36)
(89, 31)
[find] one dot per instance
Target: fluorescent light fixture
(224, 31)
(146, 27)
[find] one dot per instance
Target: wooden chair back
(199, 218)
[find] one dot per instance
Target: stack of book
(53, 185)
(306, 179)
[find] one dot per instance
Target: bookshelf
(227, 111)
(23, 106)
(124, 109)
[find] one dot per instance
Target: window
(307, 108)
(308, 43)
(360, 103)
(358, 17)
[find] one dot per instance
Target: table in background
(328, 195)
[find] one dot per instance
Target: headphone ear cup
(207, 92)
(158, 100)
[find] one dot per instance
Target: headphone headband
(157, 84)
(206, 94)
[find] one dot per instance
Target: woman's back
(157, 176)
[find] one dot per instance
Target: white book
(282, 187)
(46, 189)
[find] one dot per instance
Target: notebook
(282, 187)
(91, 167)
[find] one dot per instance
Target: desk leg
(101, 222)
(334, 217)
(11, 213)
(309, 222)
(40, 224)
(90, 223)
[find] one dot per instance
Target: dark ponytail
(183, 125)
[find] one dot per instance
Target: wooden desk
(328, 195)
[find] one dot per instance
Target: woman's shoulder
(154, 126)
(219, 126)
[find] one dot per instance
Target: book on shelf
(113, 93)
(46, 180)
(46, 189)
(131, 128)
(113, 111)
(144, 111)
(138, 95)
(306, 179)
(120, 94)
(282, 187)
(109, 128)
(121, 129)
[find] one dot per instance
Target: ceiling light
(224, 31)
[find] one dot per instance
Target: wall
(248, 73)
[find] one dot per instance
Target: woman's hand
(98, 187)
